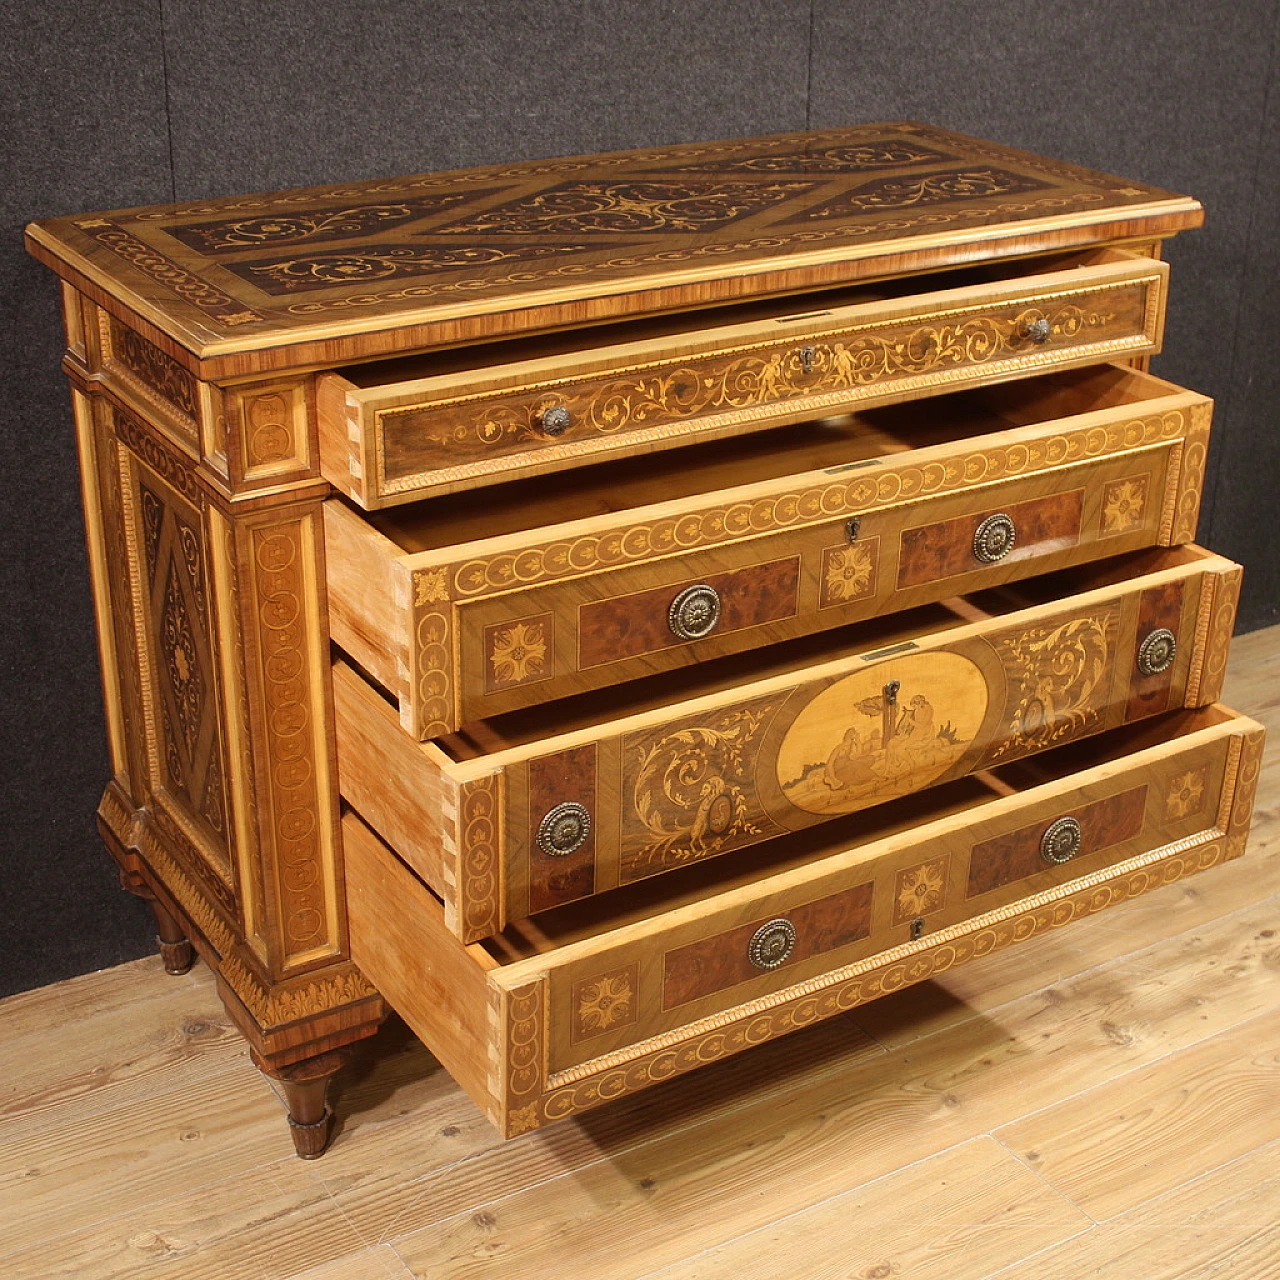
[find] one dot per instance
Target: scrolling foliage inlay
(177, 606)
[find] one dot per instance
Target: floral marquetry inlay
(920, 890)
(751, 384)
(186, 697)
(519, 652)
(692, 790)
(606, 1002)
(576, 207)
(790, 509)
(946, 187)
(1124, 503)
(849, 573)
(1057, 680)
(1186, 794)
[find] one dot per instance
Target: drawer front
(768, 761)
(494, 630)
(660, 979)
(572, 817)
(400, 442)
(618, 1010)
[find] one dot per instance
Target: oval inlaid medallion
(861, 740)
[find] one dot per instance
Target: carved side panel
(163, 519)
(278, 580)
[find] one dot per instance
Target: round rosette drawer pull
(1061, 841)
(564, 830)
(772, 943)
(1038, 330)
(555, 420)
(994, 538)
(695, 612)
(1157, 652)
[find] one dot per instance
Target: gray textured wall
(115, 104)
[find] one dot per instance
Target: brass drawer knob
(1061, 842)
(695, 612)
(564, 829)
(1157, 652)
(1037, 330)
(994, 538)
(555, 420)
(772, 943)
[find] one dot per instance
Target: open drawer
(527, 811)
(402, 429)
(476, 604)
(592, 1001)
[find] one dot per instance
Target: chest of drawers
(620, 609)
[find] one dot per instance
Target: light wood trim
(370, 606)
(400, 941)
(379, 766)
(104, 603)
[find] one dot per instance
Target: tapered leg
(305, 1086)
(176, 950)
(175, 947)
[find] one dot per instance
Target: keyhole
(917, 928)
(807, 357)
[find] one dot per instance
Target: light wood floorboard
(1104, 1100)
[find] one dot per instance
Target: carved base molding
(284, 1022)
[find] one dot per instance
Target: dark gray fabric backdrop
(114, 104)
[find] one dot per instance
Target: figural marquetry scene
(615, 610)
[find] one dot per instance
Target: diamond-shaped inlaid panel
(573, 208)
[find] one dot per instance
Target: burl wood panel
(931, 552)
(720, 962)
(610, 630)
(1011, 857)
(294, 277)
(1159, 607)
(567, 776)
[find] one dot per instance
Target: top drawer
(398, 430)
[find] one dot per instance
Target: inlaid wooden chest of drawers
(617, 610)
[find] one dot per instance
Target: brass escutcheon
(1061, 840)
(564, 829)
(994, 538)
(772, 943)
(695, 612)
(1157, 652)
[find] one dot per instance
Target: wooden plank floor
(1104, 1101)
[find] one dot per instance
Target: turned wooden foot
(175, 947)
(305, 1086)
(176, 950)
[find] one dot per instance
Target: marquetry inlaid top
(327, 273)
